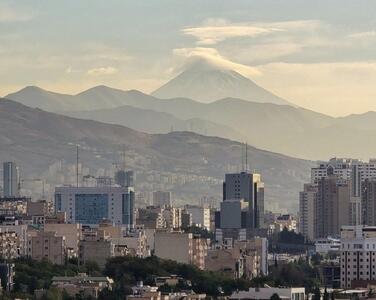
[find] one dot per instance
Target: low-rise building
(239, 258)
(325, 246)
(297, 293)
(133, 243)
(95, 246)
(286, 221)
(88, 286)
(71, 232)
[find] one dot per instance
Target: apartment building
(47, 245)
(181, 247)
(358, 254)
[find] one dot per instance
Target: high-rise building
(247, 186)
(307, 204)
(358, 254)
(161, 198)
(10, 180)
(91, 205)
(369, 202)
(332, 209)
(124, 178)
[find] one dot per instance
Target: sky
(317, 54)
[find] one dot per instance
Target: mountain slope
(36, 97)
(150, 121)
(195, 164)
(203, 81)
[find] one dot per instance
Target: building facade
(10, 180)
(162, 198)
(250, 188)
(358, 254)
(200, 215)
(181, 247)
(47, 245)
(91, 205)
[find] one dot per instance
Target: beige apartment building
(71, 232)
(181, 247)
(332, 206)
(47, 245)
(95, 246)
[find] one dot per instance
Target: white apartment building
(297, 293)
(342, 167)
(326, 245)
(358, 254)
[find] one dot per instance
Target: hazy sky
(317, 54)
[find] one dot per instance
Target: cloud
(210, 35)
(10, 14)
(363, 35)
(212, 55)
(102, 71)
(214, 31)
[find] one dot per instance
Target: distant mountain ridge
(286, 129)
(150, 121)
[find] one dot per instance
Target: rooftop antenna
(246, 157)
(123, 157)
(242, 165)
(77, 161)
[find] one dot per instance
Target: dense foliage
(299, 273)
(290, 237)
(126, 271)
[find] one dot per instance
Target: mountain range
(37, 139)
(286, 129)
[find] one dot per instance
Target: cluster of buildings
(340, 193)
(337, 212)
(100, 220)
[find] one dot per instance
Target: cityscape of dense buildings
(98, 218)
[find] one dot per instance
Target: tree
(92, 267)
(326, 295)
(275, 296)
(317, 294)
